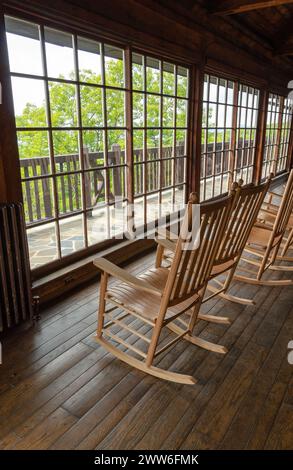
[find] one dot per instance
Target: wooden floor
(60, 390)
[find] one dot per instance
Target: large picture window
(229, 123)
(278, 126)
(71, 100)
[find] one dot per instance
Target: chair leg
(159, 256)
(102, 303)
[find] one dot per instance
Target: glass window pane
(167, 143)
(38, 199)
(91, 102)
(168, 112)
(89, 61)
(168, 79)
(59, 54)
(222, 90)
(33, 149)
(93, 148)
(153, 110)
(29, 102)
(66, 151)
(153, 140)
(63, 104)
(24, 47)
(115, 108)
(181, 115)
(116, 146)
(181, 143)
(114, 66)
(213, 89)
(153, 75)
(138, 109)
(182, 82)
(42, 242)
(69, 193)
(137, 72)
(98, 224)
(71, 234)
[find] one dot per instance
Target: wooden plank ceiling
(271, 20)
(261, 28)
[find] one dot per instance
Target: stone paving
(101, 225)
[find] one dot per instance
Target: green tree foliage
(64, 112)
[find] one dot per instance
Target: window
(229, 122)
(217, 129)
(70, 98)
(278, 126)
(245, 145)
(285, 134)
(160, 105)
(273, 129)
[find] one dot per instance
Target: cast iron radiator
(15, 282)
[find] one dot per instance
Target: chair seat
(144, 303)
(259, 236)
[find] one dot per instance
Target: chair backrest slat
(247, 203)
(285, 208)
(191, 267)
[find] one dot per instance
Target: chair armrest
(165, 243)
(124, 276)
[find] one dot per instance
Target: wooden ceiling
(270, 21)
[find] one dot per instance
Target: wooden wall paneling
(9, 168)
(260, 134)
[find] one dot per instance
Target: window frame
(48, 268)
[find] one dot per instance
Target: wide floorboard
(60, 390)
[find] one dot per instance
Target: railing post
(116, 160)
(87, 178)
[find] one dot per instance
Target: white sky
(25, 57)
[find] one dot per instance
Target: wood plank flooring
(60, 390)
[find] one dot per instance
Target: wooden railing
(38, 194)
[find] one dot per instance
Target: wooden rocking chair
(268, 214)
(265, 240)
(246, 205)
(160, 296)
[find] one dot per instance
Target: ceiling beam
(232, 7)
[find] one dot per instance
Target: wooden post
(290, 149)
(87, 178)
(260, 135)
(195, 127)
(116, 160)
(9, 168)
